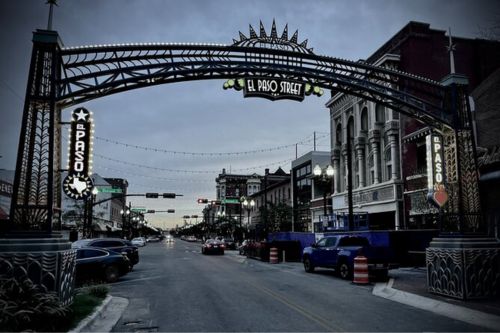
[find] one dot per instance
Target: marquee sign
(273, 88)
(78, 184)
(437, 194)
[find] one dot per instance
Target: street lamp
(90, 212)
(325, 177)
(249, 206)
(125, 212)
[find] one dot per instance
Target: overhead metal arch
(96, 71)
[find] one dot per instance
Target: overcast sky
(201, 116)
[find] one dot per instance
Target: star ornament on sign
(81, 115)
(77, 187)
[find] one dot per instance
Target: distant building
(307, 198)
(275, 196)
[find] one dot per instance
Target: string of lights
(188, 171)
(210, 154)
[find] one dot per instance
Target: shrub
(98, 291)
(27, 306)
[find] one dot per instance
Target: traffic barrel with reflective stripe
(273, 255)
(361, 270)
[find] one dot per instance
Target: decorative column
(28, 246)
(392, 129)
(374, 139)
(464, 261)
(359, 144)
(336, 170)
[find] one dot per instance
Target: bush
(98, 291)
(27, 306)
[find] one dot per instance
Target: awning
(417, 135)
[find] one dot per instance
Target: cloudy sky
(197, 117)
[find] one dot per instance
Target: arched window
(364, 119)
(380, 113)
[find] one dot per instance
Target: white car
(169, 239)
(139, 241)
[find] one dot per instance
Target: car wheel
(344, 271)
(308, 266)
(111, 273)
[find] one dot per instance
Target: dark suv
(114, 244)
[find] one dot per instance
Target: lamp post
(125, 212)
(325, 177)
(249, 206)
(90, 212)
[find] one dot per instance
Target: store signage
(437, 194)
(274, 88)
(78, 184)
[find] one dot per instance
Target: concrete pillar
(336, 171)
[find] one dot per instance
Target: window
(321, 242)
(330, 241)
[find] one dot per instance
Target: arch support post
(29, 247)
(464, 261)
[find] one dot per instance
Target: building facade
(387, 148)
(307, 196)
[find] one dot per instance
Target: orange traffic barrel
(273, 255)
(361, 270)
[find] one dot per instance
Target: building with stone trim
(394, 193)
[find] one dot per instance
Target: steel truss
(63, 77)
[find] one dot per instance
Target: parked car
(153, 239)
(229, 243)
(114, 244)
(100, 264)
(138, 241)
(213, 246)
(191, 239)
(338, 252)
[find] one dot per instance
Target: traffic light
(215, 202)
(151, 195)
(194, 216)
(171, 211)
(150, 211)
(169, 195)
(202, 201)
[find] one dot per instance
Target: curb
(104, 317)
(467, 315)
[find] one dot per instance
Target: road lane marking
(138, 279)
(282, 299)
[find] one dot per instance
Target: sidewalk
(409, 286)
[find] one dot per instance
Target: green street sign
(109, 190)
(230, 201)
(138, 209)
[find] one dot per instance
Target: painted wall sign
(437, 194)
(274, 88)
(78, 184)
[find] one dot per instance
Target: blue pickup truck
(338, 252)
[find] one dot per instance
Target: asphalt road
(176, 288)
